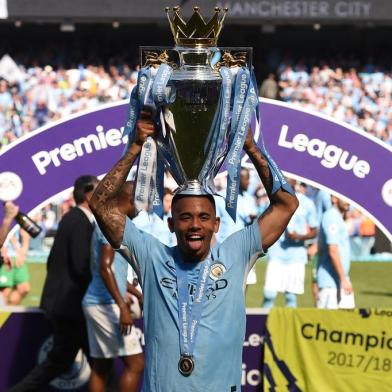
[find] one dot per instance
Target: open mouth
(194, 241)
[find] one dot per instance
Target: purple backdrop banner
(26, 338)
(311, 147)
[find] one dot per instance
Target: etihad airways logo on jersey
(330, 156)
(212, 288)
(211, 292)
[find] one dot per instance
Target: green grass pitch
(371, 281)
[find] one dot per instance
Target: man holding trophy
(198, 118)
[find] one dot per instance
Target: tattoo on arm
(103, 202)
(261, 165)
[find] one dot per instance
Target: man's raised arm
(103, 203)
(283, 204)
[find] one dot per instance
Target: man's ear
(217, 225)
(170, 224)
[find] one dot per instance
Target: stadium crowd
(359, 97)
(36, 95)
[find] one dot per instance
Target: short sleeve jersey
(287, 250)
(97, 293)
(333, 231)
(218, 347)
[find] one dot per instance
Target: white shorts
(329, 298)
(252, 277)
(285, 278)
(136, 310)
(104, 335)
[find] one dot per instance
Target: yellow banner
(328, 350)
(4, 317)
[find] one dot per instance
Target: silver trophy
(195, 138)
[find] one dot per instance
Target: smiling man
(194, 304)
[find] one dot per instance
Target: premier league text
(78, 148)
(330, 155)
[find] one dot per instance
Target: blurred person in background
(108, 313)
(14, 275)
(269, 87)
(246, 208)
(246, 214)
(362, 233)
(288, 256)
(367, 232)
(334, 259)
(322, 201)
(67, 279)
(49, 217)
(134, 294)
(262, 200)
(10, 212)
(154, 225)
(36, 244)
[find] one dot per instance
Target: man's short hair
(83, 185)
(180, 196)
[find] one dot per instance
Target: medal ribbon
(189, 314)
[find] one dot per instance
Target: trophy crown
(196, 32)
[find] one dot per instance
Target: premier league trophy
(202, 99)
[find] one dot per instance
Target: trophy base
(192, 188)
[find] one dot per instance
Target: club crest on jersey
(217, 270)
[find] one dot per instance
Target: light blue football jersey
(333, 231)
(218, 349)
(97, 293)
(323, 203)
(287, 250)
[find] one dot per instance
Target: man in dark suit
(68, 276)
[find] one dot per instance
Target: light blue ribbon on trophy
(159, 88)
(146, 176)
(132, 115)
(146, 169)
(245, 101)
(161, 97)
(218, 131)
(240, 93)
(189, 314)
(151, 92)
(135, 104)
